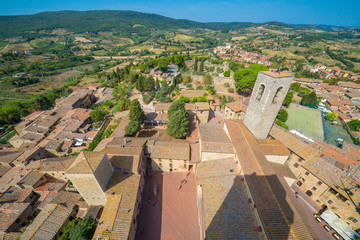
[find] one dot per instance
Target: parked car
(318, 219)
(336, 236)
(327, 228)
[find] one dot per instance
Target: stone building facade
(269, 92)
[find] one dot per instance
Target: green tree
(245, 78)
(288, 98)
(132, 128)
(201, 68)
(178, 125)
(331, 116)
(295, 86)
(149, 83)
(207, 79)
(136, 112)
(157, 84)
(196, 65)
(354, 124)
(98, 115)
(227, 73)
(163, 65)
(79, 229)
(122, 105)
(282, 115)
(176, 105)
(140, 84)
(309, 100)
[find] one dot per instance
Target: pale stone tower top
(268, 94)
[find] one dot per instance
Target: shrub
(230, 90)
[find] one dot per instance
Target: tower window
(277, 95)
(260, 92)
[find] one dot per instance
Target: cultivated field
(306, 121)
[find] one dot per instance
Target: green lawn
(306, 121)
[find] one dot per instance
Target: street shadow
(149, 223)
(235, 218)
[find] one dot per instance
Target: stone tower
(90, 173)
(269, 92)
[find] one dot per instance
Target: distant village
(236, 175)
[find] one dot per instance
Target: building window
(299, 183)
(277, 95)
(296, 165)
(319, 182)
(354, 220)
(260, 92)
(309, 193)
(307, 173)
(314, 188)
(330, 202)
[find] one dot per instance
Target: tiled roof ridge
(48, 215)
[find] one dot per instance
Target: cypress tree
(136, 112)
(196, 65)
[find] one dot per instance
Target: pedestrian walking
(179, 187)
(188, 174)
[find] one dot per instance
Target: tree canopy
(98, 115)
(288, 98)
(245, 78)
(178, 125)
(282, 115)
(310, 100)
(136, 112)
(132, 128)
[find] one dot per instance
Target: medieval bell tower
(268, 94)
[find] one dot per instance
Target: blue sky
(331, 12)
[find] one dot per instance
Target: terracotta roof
(337, 155)
(202, 106)
(213, 133)
(235, 106)
(277, 74)
(15, 194)
(116, 220)
(218, 147)
(273, 147)
(9, 212)
(7, 157)
(48, 223)
(325, 171)
(349, 85)
(293, 143)
(31, 179)
(169, 150)
(80, 114)
(224, 201)
(56, 164)
(86, 163)
(351, 150)
(162, 106)
(68, 199)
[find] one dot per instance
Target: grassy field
(306, 121)
(42, 43)
(17, 47)
(3, 44)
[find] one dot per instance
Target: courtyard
(173, 212)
